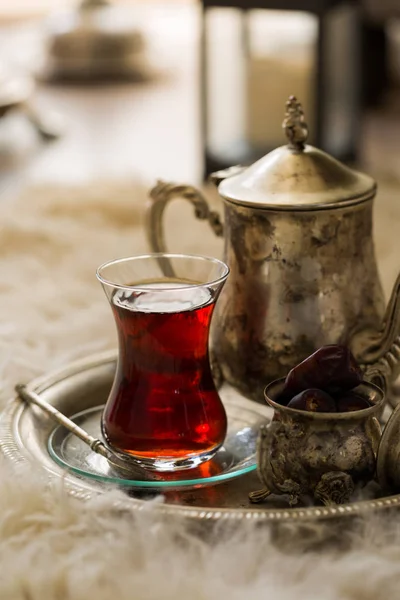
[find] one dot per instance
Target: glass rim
(156, 255)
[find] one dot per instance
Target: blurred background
(175, 89)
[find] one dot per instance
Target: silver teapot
(298, 242)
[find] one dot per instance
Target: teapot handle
(379, 351)
(160, 196)
(163, 192)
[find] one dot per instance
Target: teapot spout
(379, 350)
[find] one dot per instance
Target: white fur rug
(52, 547)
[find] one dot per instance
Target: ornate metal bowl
(322, 455)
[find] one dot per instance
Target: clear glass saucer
(235, 458)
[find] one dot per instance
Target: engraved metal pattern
(319, 455)
(294, 124)
(69, 388)
(297, 281)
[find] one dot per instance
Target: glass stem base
(167, 464)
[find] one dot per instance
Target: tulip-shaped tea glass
(164, 410)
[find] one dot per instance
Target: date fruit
(332, 369)
(313, 400)
(351, 402)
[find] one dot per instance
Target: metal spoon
(133, 470)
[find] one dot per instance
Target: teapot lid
(297, 176)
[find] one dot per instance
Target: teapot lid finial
(294, 124)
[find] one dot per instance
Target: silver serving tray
(24, 433)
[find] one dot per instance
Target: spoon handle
(32, 398)
(95, 444)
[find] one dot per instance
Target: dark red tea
(164, 403)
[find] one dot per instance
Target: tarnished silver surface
(24, 433)
(298, 242)
(296, 176)
(324, 456)
(295, 124)
(298, 281)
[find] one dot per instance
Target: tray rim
(11, 450)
